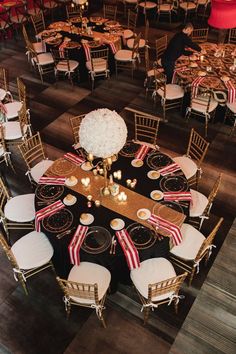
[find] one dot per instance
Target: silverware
(44, 203)
(112, 244)
(64, 233)
(114, 247)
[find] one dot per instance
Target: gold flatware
(112, 244)
(114, 247)
(64, 233)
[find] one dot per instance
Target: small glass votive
(89, 197)
(100, 171)
(128, 182)
(95, 172)
(97, 203)
(133, 183)
(89, 204)
(124, 197)
(201, 58)
(119, 175)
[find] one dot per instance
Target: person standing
(176, 47)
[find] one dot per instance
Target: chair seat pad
(32, 250)
(172, 92)
(39, 169)
(124, 55)
(152, 271)
(39, 47)
(187, 6)
(99, 65)
(148, 4)
(131, 1)
(232, 106)
(128, 34)
(187, 165)
(12, 130)
(62, 66)
(90, 273)
(199, 107)
(198, 204)
(12, 109)
(202, 2)
(20, 208)
(44, 59)
(2, 94)
(130, 43)
(165, 7)
(191, 243)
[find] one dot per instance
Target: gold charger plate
(59, 221)
(49, 192)
(63, 167)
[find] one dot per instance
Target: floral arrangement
(102, 133)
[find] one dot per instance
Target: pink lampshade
(223, 14)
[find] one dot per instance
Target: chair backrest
(136, 46)
(38, 22)
(24, 120)
(3, 146)
(146, 128)
(75, 125)
(208, 242)
(147, 58)
(61, 57)
(99, 54)
(167, 286)
(203, 99)
(132, 20)
(25, 35)
(232, 36)
(4, 18)
(4, 78)
(32, 150)
(4, 196)
(160, 82)
(161, 45)
(146, 32)
(21, 12)
(21, 90)
(84, 291)
(200, 35)
(197, 147)
(110, 11)
(213, 194)
(73, 10)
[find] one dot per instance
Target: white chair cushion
(20, 208)
(90, 273)
(172, 92)
(191, 243)
(187, 165)
(39, 169)
(62, 66)
(165, 7)
(202, 2)
(39, 47)
(124, 55)
(44, 59)
(187, 5)
(131, 1)
(32, 250)
(199, 107)
(198, 204)
(152, 271)
(130, 43)
(128, 33)
(99, 65)
(12, 109)
(232, 106)
(148, 4)
(12, 130)
(2, 94)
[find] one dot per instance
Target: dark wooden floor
(36, 324)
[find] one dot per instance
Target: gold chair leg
(191, 276)
(146, 312)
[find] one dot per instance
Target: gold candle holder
(97, 203)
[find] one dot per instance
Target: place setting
(142, 237)
(97, 240)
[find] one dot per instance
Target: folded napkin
(176, 71)
(169, 169)
(130, 251)
(87, 52)
(61, 49)
(177, 196)
(142, 152)
(195, 85)
(47, 211)
(52, 180)
(74, 158)
(166, 225)
(75, 244)
(231, 91)
(113, 47)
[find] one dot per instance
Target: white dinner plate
(70, 202)
(117, 224)
(156, 195)
(201, 73)
(225, 78)
(88, 220)
(137, 163)
(70, 183)
(153, 174)
(143, 214)
(86, 167)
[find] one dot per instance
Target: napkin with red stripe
(52, 180)
(176, 71)
(169, 169)
(61, 49)
(142, 152)
(231, 91)
(195, 85)
(166, 225)
(113, 47)
(178, 196)
(47, 211)
(76, 243)
(130, 251)
(87, 52)
(74, 158)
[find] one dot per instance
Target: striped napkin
(169, 169)
(113, 47)
(142, 152)
(47, 211)
(195, 85)
(61, 49)
(52, 180)
(74, 158)
(130, 251)
(231, 91)
(166, 225)
(178, 196)
(176, 71)
(87, 52)
(75, 244)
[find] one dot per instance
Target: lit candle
(133, 183)
(201, 58)
(95, 172)
(128, 182)
(89, 197)
(115, 174)
(101, 171)
(109, 160)
(124, 197)
(120, 197)
(119, 175)
(97, 203)
(90, 157)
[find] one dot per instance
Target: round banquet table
(103, 214)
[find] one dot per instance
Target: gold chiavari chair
(98, 65)
(38, 24)
(4, 85)
(170, 95)
(142, 43)
(91, 294)
(202, 105)
(129, 5)
(13, 108)
(200, 206)
(38, 47)
(35, 158)
(63, 65)
(157, 283)
(146, 6)
(165, 8)
(36, 8)
(193, 249)
(200, 35)
(188, 7)
(29, 255)
(151, 72)
(4, 153)
(5, 23)
(232, 36)
(75, 125)
(191, 163)
(72, 10)
(146, 128)
(110, 11)
(231, 114)
(127, 59)
(161, 45)
(17, 213)
(43, 63)
(131, 25)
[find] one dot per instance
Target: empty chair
(151, 72)
(146, 6)
(13, 108)
(188, 7)
(131, 25)
(146, 128)
(157, 283)
(38, 23)
(4, 85)
(34, 156)
(63, 65)
(161, 45)
(130, 5)
(5, 154)
(39, 47)
(232, 36)
(72, 10)
(34, 7)
(75, 125)
(200, 35)
(98, 65)
(165, 8)
(86, 286)
(193, 248)
(142, 42)
(43, 63)
(110, 11)
(29, 255)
